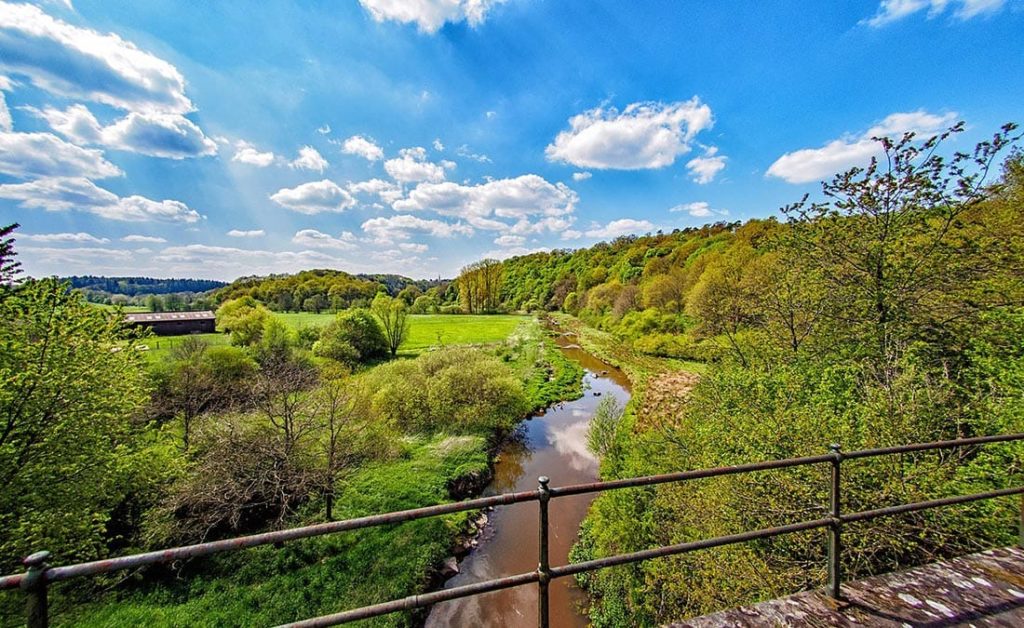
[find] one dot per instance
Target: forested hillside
(889, 312)
(329, 290)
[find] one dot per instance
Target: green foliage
(72, 381)
(603, 426)
(454, 389)
(393, 316)
(244, 318)
(353, 337)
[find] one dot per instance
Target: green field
(425, 331)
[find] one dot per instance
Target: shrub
(354, 336)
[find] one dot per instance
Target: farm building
(174, 323)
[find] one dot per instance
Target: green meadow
(425, 331)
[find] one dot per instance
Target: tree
(393, 315)
(71, 380)
(191, 386)
(245, 318)
(9, 267)
(353, 336)
(883, 238)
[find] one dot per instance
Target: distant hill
(133, 286)
(324, 289)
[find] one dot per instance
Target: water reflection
(552, 444)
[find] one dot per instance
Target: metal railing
(38, 575)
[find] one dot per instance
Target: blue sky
(414, 136)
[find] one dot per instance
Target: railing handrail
(38, 574)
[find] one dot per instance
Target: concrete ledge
(984, 589)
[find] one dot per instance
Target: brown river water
(553, 443)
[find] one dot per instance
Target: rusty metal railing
(38, 574)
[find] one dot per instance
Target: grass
(425, 331)
(267, 586)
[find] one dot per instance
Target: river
(552, 443)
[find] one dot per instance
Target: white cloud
(813, 164)
(621, 227)
(412, 166)
(318, 240)
(430, 15)
(81, 63)
(516, 251)
(251, 233)
(79, 237)
(314, 197)
(46, 155)
(66, 193)
(5, 114)
(143, 238)
(398, 227)
(510, 240)
(643, 135)
(229, 262)
(364, 147)
(483, 205)
(324, 130)
(387, 191)
(309, 159)
(464, 151)
(704, 169)
(699, 209)
(571, 234)
(438, 146)
(581, 176)
(171, 136)
(413, 247)
(890, 11)
(246, 153)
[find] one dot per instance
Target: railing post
(34, 585)
(543, 568)
(835, 543)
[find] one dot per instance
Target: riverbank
(267, 585)
(552, 443)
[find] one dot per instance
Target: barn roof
(156, 317)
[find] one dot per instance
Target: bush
(354, 336)
(454, 389)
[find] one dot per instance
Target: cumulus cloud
(5, 114)
(246, 153)
(621, 227)
(813, 164)
(81, 63)
(66, 193)
(314, 197)
(80, 237)
(699, 209)
(363, 147)
(319, 240)
(251, 233)
(413, 247)
(399, 227)
(411, 166)
(170, 136)
(430, 15)
(510, 240)
(387, 191)
(704, 169)
(438, 146)
(25, 155)
(464, 151)
(581, 176)
(485, 205)
(144, 239)
(309, 159)
(229, 262)
(890, 11)
(643, 135)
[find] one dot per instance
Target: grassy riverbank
(267, 585)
